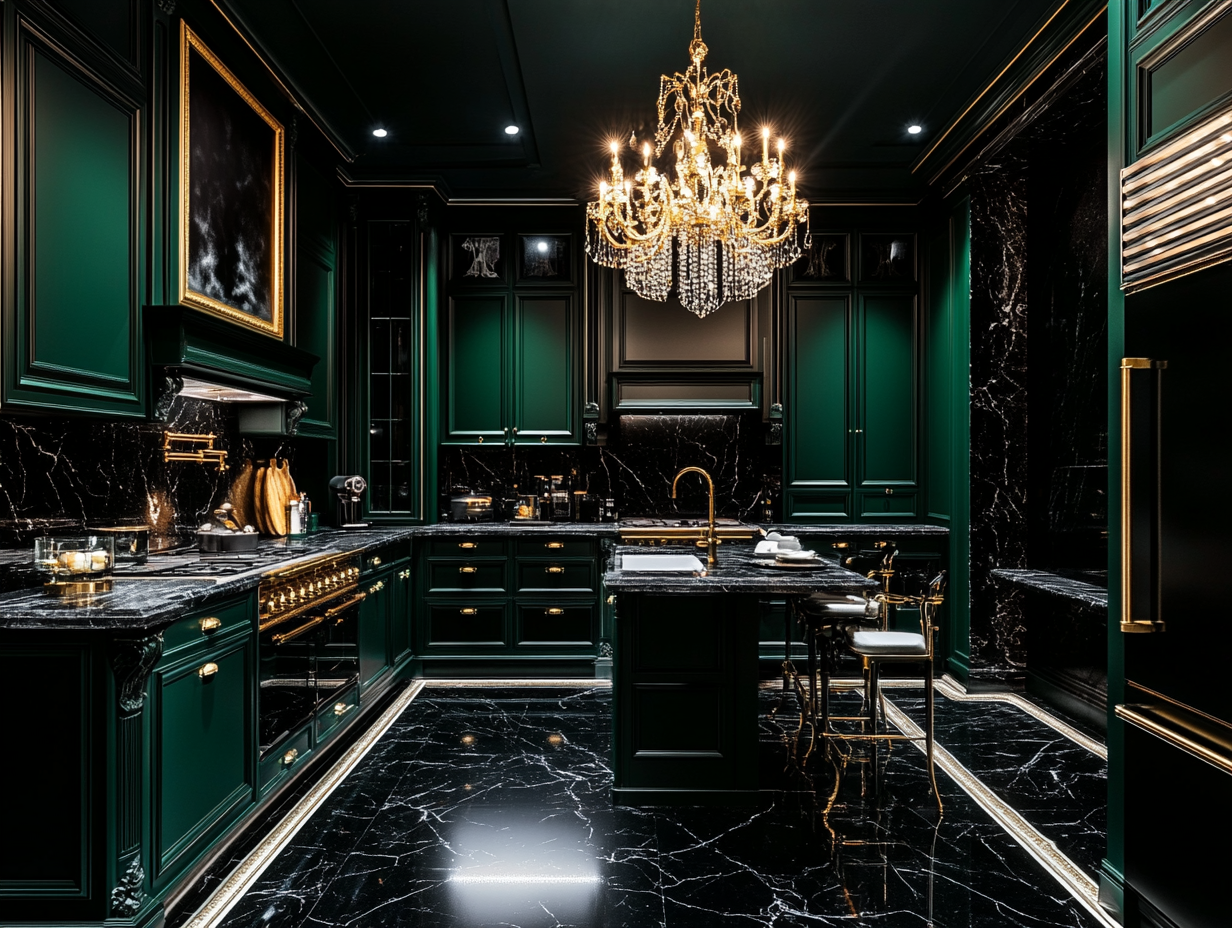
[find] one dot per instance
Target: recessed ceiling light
(512, 130)
(915, 130)
(380, 133)
(543, 247)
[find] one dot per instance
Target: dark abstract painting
(232, 192)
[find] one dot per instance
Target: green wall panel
(542, 367)
(1197, 74)
(81, 289)
(887, 392)
(315, 331)
(938, 360)
(817, 399)
(476, 368)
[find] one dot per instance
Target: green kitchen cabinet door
(72, 330)
(315, 319)
(476, 362)
(400, 613)
(819, 431)
(887, 401)
(374, 616)
(203, 744)
(545, 405)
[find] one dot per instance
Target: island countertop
(738, 571)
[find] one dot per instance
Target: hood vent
(685, 393)
(195, 354)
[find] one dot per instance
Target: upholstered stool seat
(881, 644)
(853, 607)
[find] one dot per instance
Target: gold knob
(543, 439)
(377, 587)
(467, 544)
(555, 544)
(554, 570)
(889, 491)
(289, 758)
(481, 439)
(205, 671)
(470, 610)
(210, 623)
(555, 610)
(468, 570)
(375, 562)
(405, 574)
(341, 708)
(611, 600)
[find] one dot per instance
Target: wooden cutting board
(242, 496)
(258, 500)
(276, 491)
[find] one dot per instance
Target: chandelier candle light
(728, 230)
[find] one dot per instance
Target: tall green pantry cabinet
(511, 332)
(851, 380)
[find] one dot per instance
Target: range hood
(195, 354)
(685, 392)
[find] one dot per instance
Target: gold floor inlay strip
(242, 878)
(476, 683)
(1081, 886)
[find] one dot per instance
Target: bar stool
(880, 647)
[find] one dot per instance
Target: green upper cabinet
(512, 344)
(851, 380)
(314, 312)
(72, 332)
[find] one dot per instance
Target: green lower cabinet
(374, 626)
(203, 744)
(400, 613)
(557, 624)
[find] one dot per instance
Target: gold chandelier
(727, 230)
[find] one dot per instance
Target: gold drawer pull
(468, 570)
(205, 671)
(467, 544)
(555, 544)
(404, 574)
(210, 623)
(290, 757)
(470, 610)
(377, 587)
(341, 708)
(375, 562)
(554, 611)
(554, 570)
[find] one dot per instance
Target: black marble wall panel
(636, 466)
(70, 474)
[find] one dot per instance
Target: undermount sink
(671, 563)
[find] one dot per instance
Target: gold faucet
(711, 540)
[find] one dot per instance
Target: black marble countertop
(1089, 594)
(738, 571)
(599, 529)
(893, 530)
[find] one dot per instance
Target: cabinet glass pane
(391, 333)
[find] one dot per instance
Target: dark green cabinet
(374, 620)
(400, 613)
(852, 371)
(203, 774)
(315, 316)
(511, 369)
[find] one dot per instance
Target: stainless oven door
(304, 664)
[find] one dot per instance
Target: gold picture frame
(232, 257)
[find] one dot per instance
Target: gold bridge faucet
(711, 539)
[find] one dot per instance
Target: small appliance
(350, 493)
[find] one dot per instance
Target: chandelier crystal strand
(723, 226)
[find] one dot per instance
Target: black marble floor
(486, 806)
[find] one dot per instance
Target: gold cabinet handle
(555, 545)
(543, 439)
(205, 671)
(554, 570)
(375, 562)
(468, 570)
(1132, 620)
(211, 623)
(342, 708)
(290, 757)
(404, 574)
(467, 545)
(611, 600)
(469, 610)
(555, 610)
(377, 587)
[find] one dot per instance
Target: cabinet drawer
(207, 624)
(330, 719)
(545, 546)
(556, 625)
(471, 576)
(285, 758)
(383, 557)
(459, 546)
(561, 576)
(901, 503)
(473, 624)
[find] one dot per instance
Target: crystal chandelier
(723, 231)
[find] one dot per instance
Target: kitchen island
(684, 726)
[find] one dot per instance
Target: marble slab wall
(636, 466)
(65, 475)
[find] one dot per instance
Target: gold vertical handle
(1130, 624)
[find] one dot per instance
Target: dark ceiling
(841, 80)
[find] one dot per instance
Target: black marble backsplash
(66, 475)
(636, 466)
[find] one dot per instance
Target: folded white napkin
(784, 542)
(767, 547)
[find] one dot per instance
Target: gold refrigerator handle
(1129, 624)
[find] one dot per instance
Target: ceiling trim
(288, 86)
(511, 66)
(1054, 36)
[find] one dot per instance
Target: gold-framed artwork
(232, 157)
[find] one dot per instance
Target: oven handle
(296, 632)
(353, 601)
